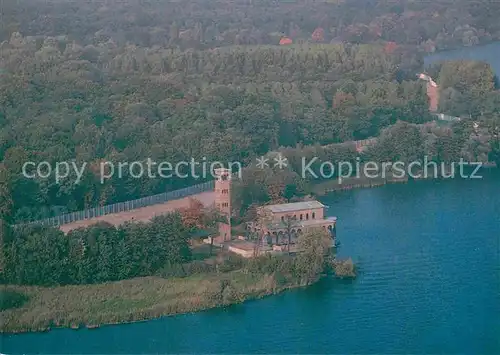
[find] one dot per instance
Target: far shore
(325, 187)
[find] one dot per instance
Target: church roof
(296, 206)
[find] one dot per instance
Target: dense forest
(127, 104)
(61, 101)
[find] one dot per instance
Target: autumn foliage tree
(193, 215)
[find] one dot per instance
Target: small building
(448, 118)
(284, 222)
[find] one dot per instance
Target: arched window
(313, 215)
(307, 216)
(301, 216)
(282, 218)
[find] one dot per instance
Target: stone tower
(223, 201)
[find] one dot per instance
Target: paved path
(143, 214)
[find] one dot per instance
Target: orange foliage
(390, 47)
(318, 35)
(192, 216)
(341, 98)
(285, 41)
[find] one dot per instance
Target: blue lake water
(489, 53)
(429, 259)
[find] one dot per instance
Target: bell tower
(223, 201)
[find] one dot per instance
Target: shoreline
(194, 302)
(325, 187)
(147, 298)
(462, 47)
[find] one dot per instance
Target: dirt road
(143, 214)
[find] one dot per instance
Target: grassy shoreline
(152, 297)
(133, 300)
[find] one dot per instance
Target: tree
(211, 219)
(5, 194)
(401, 142)
(290, 223)
(262, 227)
(37, 256)
(314, 245)
(192, 215)
(4, 239)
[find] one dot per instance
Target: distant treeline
(199, 24)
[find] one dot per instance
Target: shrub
(213, 296)
(230, 262)
(279, 279)
(12, 299)
(230, 295)
(172, 270)
(344, 268)
(268, 264)
(198, 267)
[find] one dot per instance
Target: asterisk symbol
(262, 162)
(281, 162)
